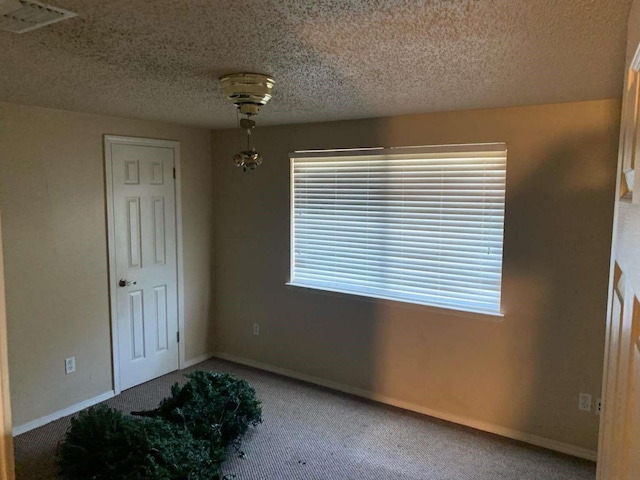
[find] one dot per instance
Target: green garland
(185, 438)
(212, 406)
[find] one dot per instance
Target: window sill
(486, 316)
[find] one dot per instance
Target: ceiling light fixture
(248, 92)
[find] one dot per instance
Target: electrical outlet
(70, 365)
(598, 406)
(584, 402)
(256, 329)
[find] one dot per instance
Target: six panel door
(145, 261)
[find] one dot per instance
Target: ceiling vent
(20, 16)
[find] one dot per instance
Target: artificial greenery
(185, 438)
(103, 444)
(213, 406)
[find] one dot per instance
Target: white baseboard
(39, 422)
(479, 425)
(196, 360)
(20, 429)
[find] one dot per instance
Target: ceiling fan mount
(248, 92)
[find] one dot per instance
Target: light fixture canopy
(248, 91)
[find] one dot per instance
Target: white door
(144, 283)
(619, 448)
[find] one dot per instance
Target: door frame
(7, 462)
(110, 140)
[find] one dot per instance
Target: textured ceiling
(332, 59)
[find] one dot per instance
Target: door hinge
(178, 336)
(174, 173)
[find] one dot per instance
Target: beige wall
(524, 373)
(633, 32)
(53, 205)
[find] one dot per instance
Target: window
(416, 224)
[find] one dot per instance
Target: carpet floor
(312, 433)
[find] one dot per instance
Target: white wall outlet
(70, 365)
(584, 402)
(256, 329)
(598, 406)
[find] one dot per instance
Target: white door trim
(7, 467)
(110, 140)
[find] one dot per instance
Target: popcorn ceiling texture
(332, 59)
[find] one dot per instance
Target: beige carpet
(312, 433)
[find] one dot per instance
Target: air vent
(20, 16)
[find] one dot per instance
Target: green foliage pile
(185, 438)
(215, 407)
(103, 444)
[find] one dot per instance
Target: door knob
(125, 283)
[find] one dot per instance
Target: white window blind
(421, 225)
